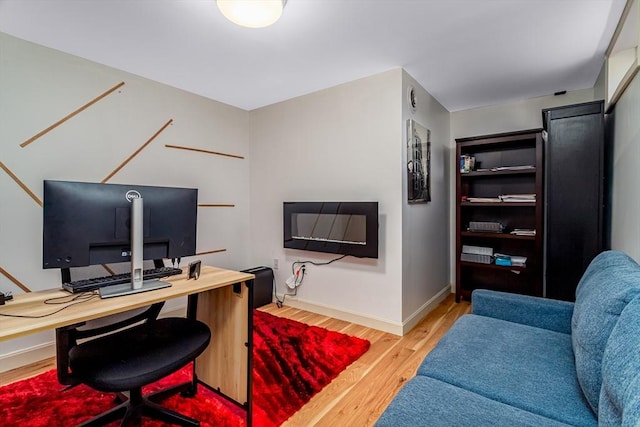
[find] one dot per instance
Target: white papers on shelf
(507, 198)
(512, 168)
(518, 197)
(523, 232)
(483, 199)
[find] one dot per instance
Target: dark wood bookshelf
(523, 148)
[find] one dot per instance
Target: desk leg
(249, 405)
(192, 311)
(225, 366)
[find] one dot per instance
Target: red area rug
(292, 362)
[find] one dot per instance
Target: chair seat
(139, 355)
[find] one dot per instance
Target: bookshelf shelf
(500, 204)
(491, 266)
(481, 235)
(495, 151)
(476, 174)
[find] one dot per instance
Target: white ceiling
(466, 53)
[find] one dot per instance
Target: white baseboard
(420, 313)
(395, 328)
(27, 356)
(42, 351)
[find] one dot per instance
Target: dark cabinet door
(574, 175)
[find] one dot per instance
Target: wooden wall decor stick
(14, 280)
(200, 150)
(21, 184)
(116, 170)
(70, 115)
(211, 252)
(215, 205)
(109, 270)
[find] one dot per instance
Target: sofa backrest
(620, 393)
(610, 282)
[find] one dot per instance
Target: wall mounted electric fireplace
(349, 228)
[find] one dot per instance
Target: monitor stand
(137, 284)
(126, 289)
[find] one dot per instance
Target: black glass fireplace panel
(349, 228)
(339, 228)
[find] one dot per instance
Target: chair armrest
(542, 313)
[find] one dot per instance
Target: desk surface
(32, 303)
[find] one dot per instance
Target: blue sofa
(525, 361)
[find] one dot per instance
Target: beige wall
(339, 144)
(625, 226)
(425, 226)
(521, 115)
(40, 86)
(348, 143)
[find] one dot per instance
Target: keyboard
(88, 285)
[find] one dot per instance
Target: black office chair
(127, 359)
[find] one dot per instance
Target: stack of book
(518, 198)
(510, 260)
(480, 254)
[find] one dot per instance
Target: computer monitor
(90, 223)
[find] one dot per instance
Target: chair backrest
(610, 283)
(67, 337)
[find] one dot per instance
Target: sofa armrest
(542, 313)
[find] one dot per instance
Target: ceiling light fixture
(252, 13)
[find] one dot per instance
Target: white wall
(40, 86)
(339, 144)
(425, 226)
(625, 228)
(521, 115)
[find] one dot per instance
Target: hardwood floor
(360, 393)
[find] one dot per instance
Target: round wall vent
(412, 99)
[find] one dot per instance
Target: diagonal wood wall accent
(200, 150)
(215, 251)
(70, 115)
(19, 284)
(135, 153)
(21, 184)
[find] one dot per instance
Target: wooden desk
(223, 303)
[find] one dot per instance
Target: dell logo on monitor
(132, 194)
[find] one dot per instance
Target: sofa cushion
(425, 401)
(530, 368)
(620, 393)
(610, 282)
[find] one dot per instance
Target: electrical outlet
(291, 282)
(275, 263)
